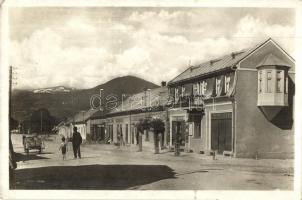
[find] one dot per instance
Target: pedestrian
(118, 139)
(63, 148)
(122, 142)
(76, 143)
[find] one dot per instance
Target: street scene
(106, 167)
(161, 98)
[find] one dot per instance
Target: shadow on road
(91, 177)
(30, 156)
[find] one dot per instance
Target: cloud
(42, 61)
(154, 45)
(250, 28)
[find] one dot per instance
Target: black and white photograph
(150, 98)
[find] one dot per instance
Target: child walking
(63, 148)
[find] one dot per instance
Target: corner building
(241, 104)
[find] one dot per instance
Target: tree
(40, 121)
(158, 127)
(141, 126)
(13, 124)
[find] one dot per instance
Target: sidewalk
(260, 165)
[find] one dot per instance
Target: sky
(83, 47)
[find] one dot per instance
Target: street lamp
(123, 95)
(149, 90)
(147, 133)
(41, 121)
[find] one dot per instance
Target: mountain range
(63, 102)
(52, 90)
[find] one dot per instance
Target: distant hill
(63, 102)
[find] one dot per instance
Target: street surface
(108, 167)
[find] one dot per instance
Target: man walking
(76, 142)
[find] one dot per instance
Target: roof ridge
(245, 50)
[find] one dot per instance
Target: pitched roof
(270, 60)
(83, 115)
(212, 66)
(159, 97)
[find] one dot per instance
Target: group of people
(76, 144)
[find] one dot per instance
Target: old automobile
(33, 141)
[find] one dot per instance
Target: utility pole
(11, 83)
(10, 87)
(10, 97)
(41, 121)
(101, 108)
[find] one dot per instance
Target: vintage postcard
(150, 100)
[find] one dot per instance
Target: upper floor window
(218, 85)
(280, 81)
(203, 87)
(227, 84)
(269, 83)
(183, 91)
(176, 95)
(272, 82)
(196, 89)
(260, 82)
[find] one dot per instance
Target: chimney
(163, 83)
(233, 55)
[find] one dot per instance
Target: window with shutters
(176, 95)
(196, 89)
(227, 84)
(203, 87)
(218, 85)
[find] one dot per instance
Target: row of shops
(240, 105)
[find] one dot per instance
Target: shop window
(269, 80)
(197, 130)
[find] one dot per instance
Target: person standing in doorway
(76, 143)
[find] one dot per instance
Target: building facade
(240, 104)
(120, 122)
